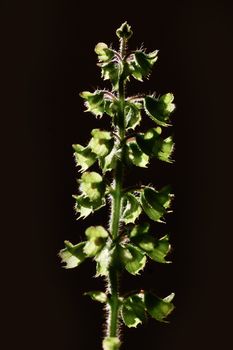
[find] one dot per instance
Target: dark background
(48, 59)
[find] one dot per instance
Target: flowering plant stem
(128, 241)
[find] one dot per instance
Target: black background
(48, 59)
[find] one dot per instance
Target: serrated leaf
(97, 296)
(135, 155)
(132, 209)
(72, 255)
(132, 258)
(159, 308)
(141, 63)
(132, 115)
(84, 157)
(92, 185)
(111, 343)
(133, 310)
(94, 102)
(159, 109)
(155, 203)
(101, 143)
(84, 206)
(144, 63)
(96, 236)
(156, 249)
(153, 145)
(166, 150)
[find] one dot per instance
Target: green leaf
(155, 203)
(101, 143)
(94, 232)
(149, 142)
(112, 107)
(140, 229)
(84, 206)
(84, 157)
(159, 308)
(135, 155)
(97, 296)
(153, 145)
(92, 185)
(142, 63)
(72, 255)
(108, 162)
(132, 209)
(132, 115)
(165, 196)
(94, 102)
(111, 343)
(166, 150)
(112, 71)
(133, 310)
(96, 236)
(156, 249)
(103, 260)
(133, 258)
(125, 31)
(104, 52)
(159, 109)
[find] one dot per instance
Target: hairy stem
(116, 207)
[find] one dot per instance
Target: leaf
(97, 296)
(101, 143)
(84, 206)
(140, 63)
(112, 71)
(111, 343)
(125, 31)
(133, 310)
(84, 157)
(143, 64)
(96, 236)
(133, 258)
(135, 155)
(159, 308)
(103, 260)
(92, 185)
(156, 249)
(155, 203)
(104, 52)
(72, 255)
(159, 109)
(94, 102)
(140, 229)
(153, 145)
(108, 162)
(165, 196)
(132, 209)
(166, 150)
(132, 115)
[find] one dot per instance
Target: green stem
(116, 207)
